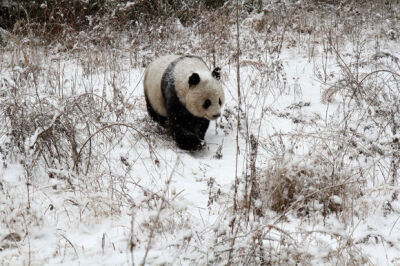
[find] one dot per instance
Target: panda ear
(194, 79)
(216, 73)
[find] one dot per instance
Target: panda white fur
(183, 94)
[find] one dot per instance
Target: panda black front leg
(185, 139)
(203, 126)
(184, 127)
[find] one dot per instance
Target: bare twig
(232, 247)
(157, 218)
(239, 105)
(70, 243)
(106, 127)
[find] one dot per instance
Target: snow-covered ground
(86, 178)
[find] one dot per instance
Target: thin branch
(70, 243)
(157, 218)
(239, 105)
(102, 129)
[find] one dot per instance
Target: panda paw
(190, 142)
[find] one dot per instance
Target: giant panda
(183, 94)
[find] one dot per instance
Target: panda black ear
(194, 79)
(216, 73)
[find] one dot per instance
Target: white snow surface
(186, 199)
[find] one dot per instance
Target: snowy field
(308, 176)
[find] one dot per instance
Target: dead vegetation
(74, 124)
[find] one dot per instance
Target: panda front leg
(185, 139)
(182, 126)
(203, 126)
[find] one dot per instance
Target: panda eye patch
(219, 101)
(194, 79)
(206, 104)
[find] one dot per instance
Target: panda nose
(217, 115)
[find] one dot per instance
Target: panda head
(205, 96)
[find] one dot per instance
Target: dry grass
(316, 183)
(81, 135)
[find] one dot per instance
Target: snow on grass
(95, 181)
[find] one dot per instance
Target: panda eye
(206, 104)
(219, 101)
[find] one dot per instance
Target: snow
(179, 205)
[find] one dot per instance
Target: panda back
(152, 82)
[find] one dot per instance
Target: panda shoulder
(162, 63)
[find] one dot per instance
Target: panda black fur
(183, 95)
